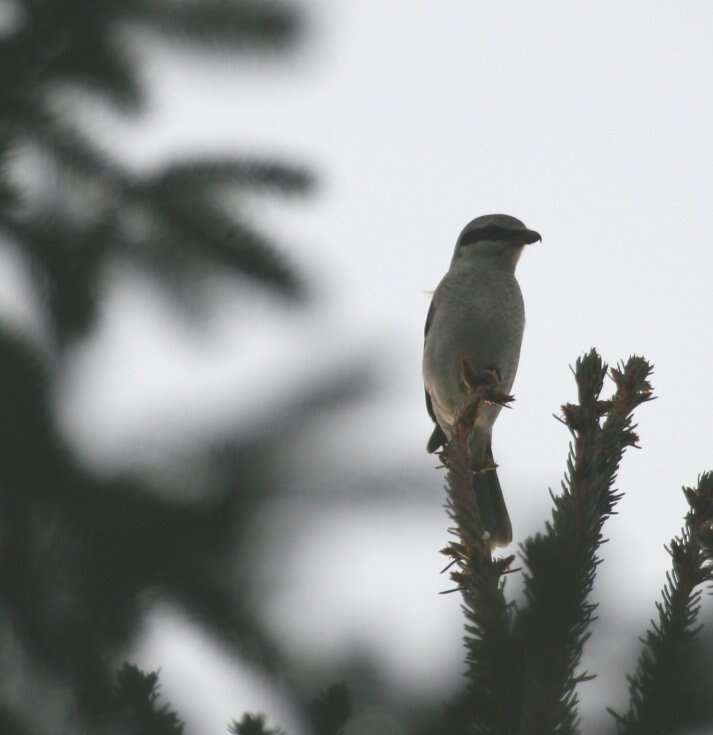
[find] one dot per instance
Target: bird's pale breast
(478, 315)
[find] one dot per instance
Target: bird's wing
(429, 319)
(438, 437)
(429, 408)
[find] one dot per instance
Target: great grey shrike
(475, 322)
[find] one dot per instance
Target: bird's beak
(529, 236)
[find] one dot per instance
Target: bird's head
(498, 235)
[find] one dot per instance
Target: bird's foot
(479, 379)
(482, 386)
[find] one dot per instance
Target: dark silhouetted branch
(700, 516)
(251, 24)
(561, 563)
(479, 578)
(330, 711)
(252, 725)
(137, 701)
(667, 691)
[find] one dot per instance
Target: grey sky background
(592, 123)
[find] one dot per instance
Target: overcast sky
(592, 123)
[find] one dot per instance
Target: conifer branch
(199, 228)
(665, 692)
(171, 218)
(561, 563)
(700, 516)
(186, 176)
(479, 578)
(263, 24)
(11, 723)
(139, 711)
(329, 712)
(252, 725)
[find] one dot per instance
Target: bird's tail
(491, 503)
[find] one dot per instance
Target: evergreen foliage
(561, 564)
(252, 725)
(136, 702)
(522, 663)
(667, 691)
(82, 554)
(479, 577)
(170, 219)
(328, 714)
(700, 517)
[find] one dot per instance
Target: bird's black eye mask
(491, 232)
(496, 232)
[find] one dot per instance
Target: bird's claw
(482, 386)
(475, 379)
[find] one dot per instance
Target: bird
(473, 334)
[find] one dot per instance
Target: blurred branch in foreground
(78, 207)
(84, 557)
